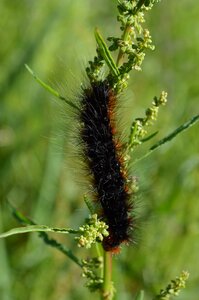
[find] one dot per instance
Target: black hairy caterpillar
(104, 159)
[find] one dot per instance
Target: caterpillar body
(104, 159)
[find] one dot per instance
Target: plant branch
(107, 288)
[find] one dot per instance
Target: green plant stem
(99, 249)
(107, 289)
(124, 38)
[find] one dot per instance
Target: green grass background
(39, 170)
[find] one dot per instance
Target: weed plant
(35, 176)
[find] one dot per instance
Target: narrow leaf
(170, 136)
(146, 139)
(49, 88)
(36, 228)
(44, 236)
(105, 53)
(139, 5)
(175, 132)
(62, 248)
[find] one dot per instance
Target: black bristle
(99, 147)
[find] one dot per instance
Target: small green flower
(131, 46)
(93, 231)
(138, 131)
(174, 288)
(90, 267)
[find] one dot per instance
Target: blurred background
(39, 170)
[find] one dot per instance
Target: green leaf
(170, 136)
(36, 228)
(149, 137)
(44, 236)
(49, 88)
(139, 5)
(105, 53)
(175, 132)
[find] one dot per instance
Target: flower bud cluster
(135, 39)
(174, 288)
(94, 282)
(93, 231)
(131, 45)
(138, 131)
